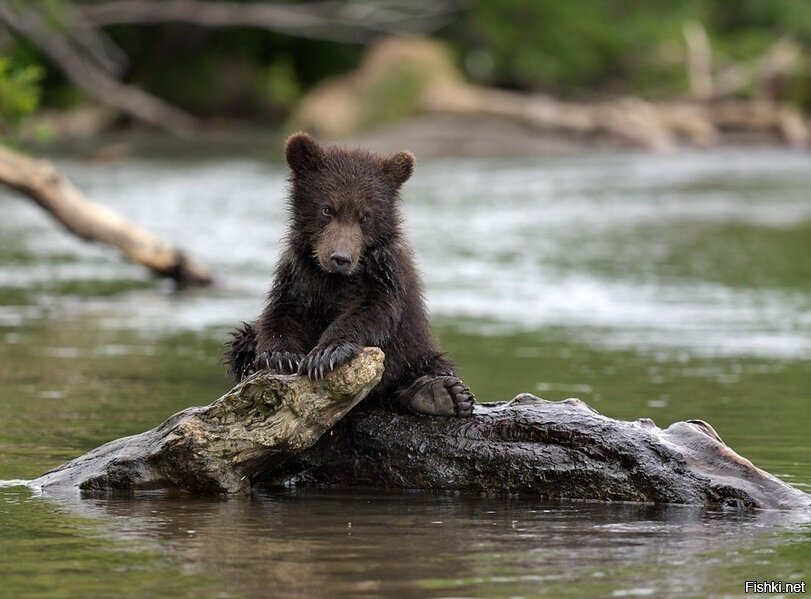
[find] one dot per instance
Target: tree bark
(40, 181)
(264, 433)
(555, 450)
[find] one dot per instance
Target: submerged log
(40, 181)
(266, 431)
(219, 448)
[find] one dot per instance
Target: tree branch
(91, 79)
(41, 182)
(358, 21)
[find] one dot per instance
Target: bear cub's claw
(323, 359)
(279, 361)
(440, 396)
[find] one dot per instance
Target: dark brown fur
(346, 279)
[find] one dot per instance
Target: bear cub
(346, 279)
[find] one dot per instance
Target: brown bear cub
(345, 280)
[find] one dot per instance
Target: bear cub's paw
(281, 362)
(323, 359)
(440, 396)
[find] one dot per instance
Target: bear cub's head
(344, 201)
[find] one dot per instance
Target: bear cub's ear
(398, 168)
(303, 153)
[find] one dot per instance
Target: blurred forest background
(183, 64)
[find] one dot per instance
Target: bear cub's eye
(364, 219)
(327, 211)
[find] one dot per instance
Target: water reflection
(310, 543)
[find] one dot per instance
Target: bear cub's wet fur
(345, 280)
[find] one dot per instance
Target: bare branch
(98, 46)
(40, 181)
(699, 60)
(91, 79)
(354, 21)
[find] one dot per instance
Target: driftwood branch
(40, 181)
(550, 449)
(341, 106)
(220, 448)
(659, 127)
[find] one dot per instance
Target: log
(555, 450)
(658, 127)
(346, 105)
(40, 181)
(220, 448)
(265, 433)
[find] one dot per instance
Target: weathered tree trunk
(264, 432)
(40, 181)
(220, 448)
(551, 449)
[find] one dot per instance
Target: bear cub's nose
(340, 262)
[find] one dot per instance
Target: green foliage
(19, 93)
(583, 48)
(229, 71)
(618, 46)
(279, 84)
(395, 95)
(571, 46)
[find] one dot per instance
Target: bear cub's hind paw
(279, 361)
(440, 396)
(323, 359)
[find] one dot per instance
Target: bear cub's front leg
(244, 358)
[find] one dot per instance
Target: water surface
(672, 287)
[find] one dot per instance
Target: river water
(672, 287)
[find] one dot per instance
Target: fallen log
(40, 181)
(220, 448)
(557, 450)
(348, 104)
(265, 432)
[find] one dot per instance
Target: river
(672, 287)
